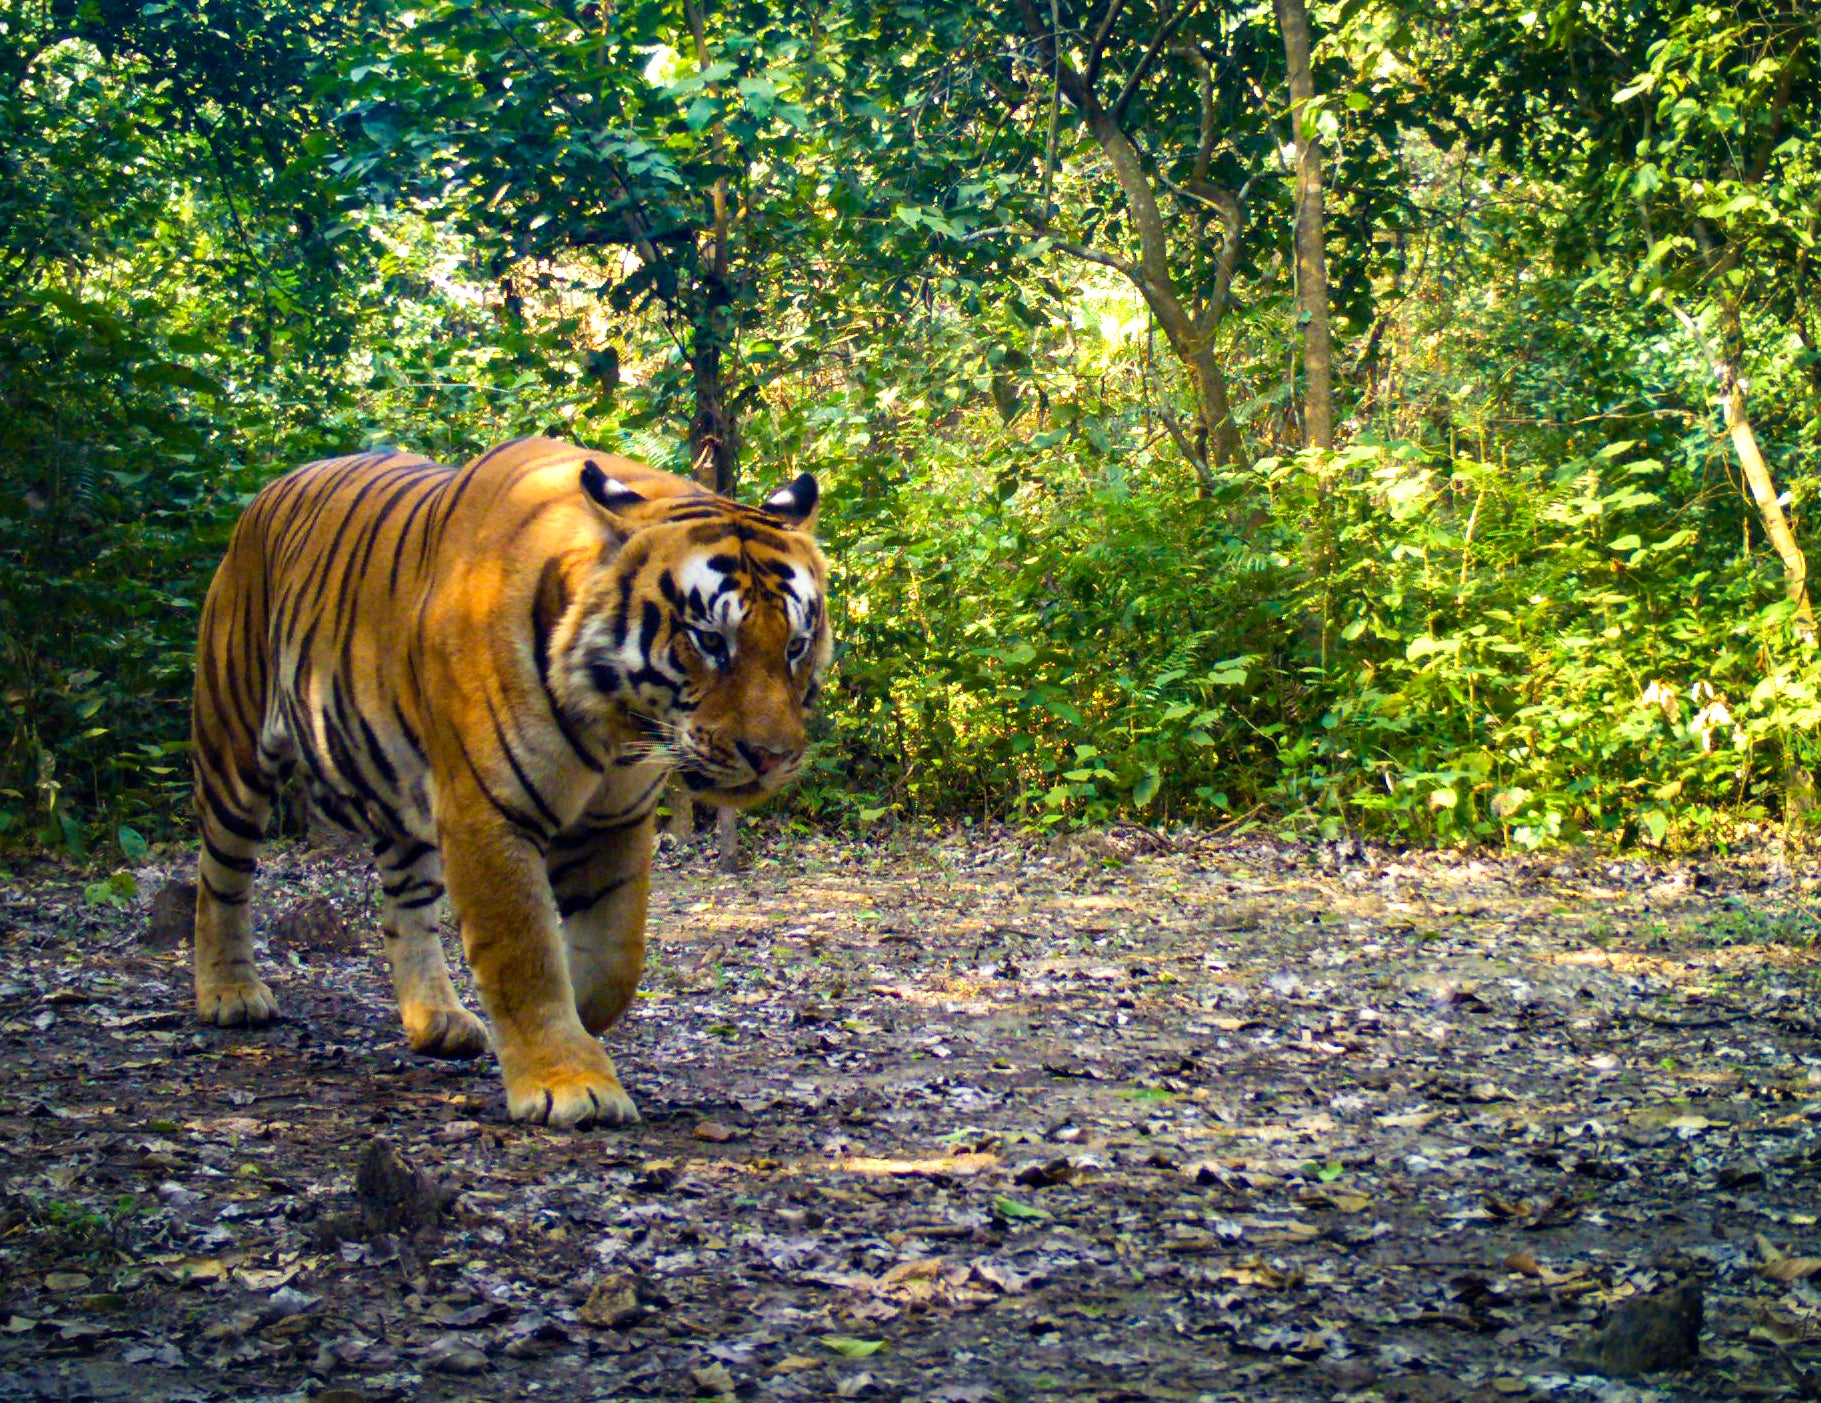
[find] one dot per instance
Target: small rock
(394, 1197)
(61, 1281)
(173, 916)
(714, 1132)
(613, 1302)
(287, 1301)
(1346, 1376)
(334, 1229)
(453, 1357)
(1647, 1334)
(313, 924)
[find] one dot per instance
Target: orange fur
(490, 672)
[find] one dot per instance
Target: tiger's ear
(795, 503)
(608, 493)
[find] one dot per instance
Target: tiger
(490, 673)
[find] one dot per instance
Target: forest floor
(957, 1119)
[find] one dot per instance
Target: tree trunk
(1217, 436)
(682, 806)
(1764, 493)
(1215, 412)
(727, 839)
(1311, 246)
(714, 453)
(1757, 474)
(1214, 440)
(714, 431)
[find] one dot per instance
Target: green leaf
(180, 376)
(1656, 823)
(1626, 543)
(848, 1347)
(117, 890)
(1146, 788)
(1011, 1208)
(132, 844)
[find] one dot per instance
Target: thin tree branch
(1096, 50)
(1049, 144)
(1204, 72)
(1165, 32)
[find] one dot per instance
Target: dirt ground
(959, 1118)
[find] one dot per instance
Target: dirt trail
(959, 1120)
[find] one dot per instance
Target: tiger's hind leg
(411, 887)
(236, 777)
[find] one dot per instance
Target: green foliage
(1525, 604)
(1397, 643)
(97, 1235)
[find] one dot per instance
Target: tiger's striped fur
(489, 673)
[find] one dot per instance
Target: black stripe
(404, 536)
(228, 819)
(243, 865)
(222, 896)
(377, 753)
(518, 818)
(404, 726)
(651, 622)
(411, 856)
(541, 628)
(364, 546)
(587, 901)
(531, 790)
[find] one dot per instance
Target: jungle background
(1376, 417)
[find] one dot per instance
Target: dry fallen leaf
(1791, 1268)
(712, 1378)
(1524, 1264)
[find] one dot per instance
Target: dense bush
(1390, 642)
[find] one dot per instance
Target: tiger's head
(702, 635)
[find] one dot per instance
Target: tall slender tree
(1311, 234)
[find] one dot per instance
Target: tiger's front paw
(454, 1033)
(247, 1003)
(579, 1092)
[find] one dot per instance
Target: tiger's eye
(711, 646)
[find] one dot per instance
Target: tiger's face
(706, 634)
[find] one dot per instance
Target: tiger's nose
(763, 758)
